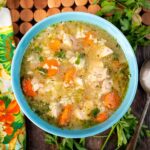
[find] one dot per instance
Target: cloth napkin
(12, 124)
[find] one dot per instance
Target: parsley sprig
(65, 143)
(125, 14)
(124, 129)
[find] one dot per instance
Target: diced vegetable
(111, 100)
(53, 65)
(76, 71)
(95, 112)
(38, 49)
(87, 41)
(54, 45)
(52, 62)
(60, 54)
(80, 56)
(42, 70)
(52, 72)
(101, 117)
(69, 75)
(65, 115)
(27, 88)
(41, 58)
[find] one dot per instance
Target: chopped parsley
(42, 70)
(61, 54)
(41, 58)
(80, 56)
(38, 49)
(95, 111)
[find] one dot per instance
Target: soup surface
(74, 75)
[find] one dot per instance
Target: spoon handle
(132, 144)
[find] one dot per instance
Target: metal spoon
(145, 83)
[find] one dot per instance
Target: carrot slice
(111, 100)
(27, 88)
(54, 45)
(53, 67)
(69, 75)
(52, 62)
(65, 115)
(101, 117)
(87, 41)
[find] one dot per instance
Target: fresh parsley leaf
(94, 112)
(80, 56)
(82, 141)
(61, 54)
(106, 7)
(51, 139)
(77, 60)
(145, 132)
(78, 146)
(125, 24)
(65, 143)
(123, 128)
(41, 58)
(38, 49)
(42, 70)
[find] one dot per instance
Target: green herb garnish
(41, 58)
(61, 54)
(80, 56)
(65, 143)
(42, 70)
(38, 49)
(125, 14)
(94, 112)
(125, 129)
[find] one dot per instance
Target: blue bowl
(92, 19)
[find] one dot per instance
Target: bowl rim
(92, 19)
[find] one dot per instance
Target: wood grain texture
(67, 3)
(33, 11)
(52, 11)
(39, 15)
(15, 28)
(24, 27)
(39, 4)
(146, 18)
(93, 8)
(81, 9)
(81, 2)
(26, 15)
(12, 4)
(54, 3)
(66, 9)
(14, 15)
(26, 3)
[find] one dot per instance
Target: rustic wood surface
(26, 13)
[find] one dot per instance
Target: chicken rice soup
(74, 75)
